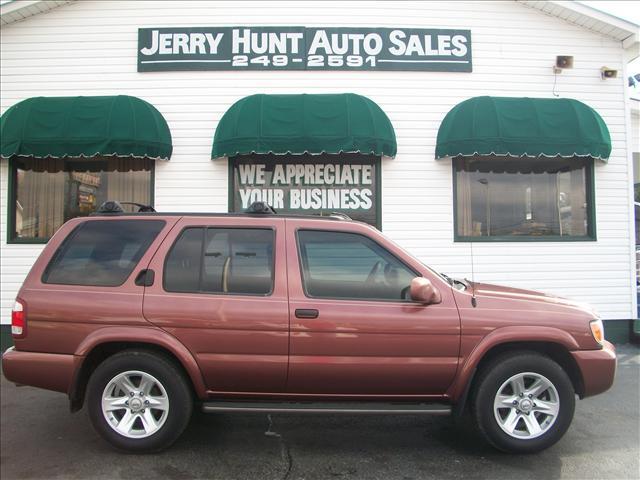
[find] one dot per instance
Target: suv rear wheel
(524, 402)
(139, 401)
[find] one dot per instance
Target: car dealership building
(492, 140)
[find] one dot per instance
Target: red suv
(143, 315)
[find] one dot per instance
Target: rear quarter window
(101, 252)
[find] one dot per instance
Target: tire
(522, 423)
(150, 401)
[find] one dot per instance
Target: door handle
(307, 313)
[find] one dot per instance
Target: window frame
(12, 191)
(591, 236)
(349, 299)
(202, 250)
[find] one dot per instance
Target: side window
(347, 265)
(101, 253)
(221, 260)
(182, 267)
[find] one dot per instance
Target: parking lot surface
(39, 438)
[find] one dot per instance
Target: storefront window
(308, 184)
(46, 193)
(516, 199)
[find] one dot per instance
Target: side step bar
(328, 407)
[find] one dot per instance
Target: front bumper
(50, 371)
(598, 368)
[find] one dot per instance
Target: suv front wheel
(524, 402)
(139, 401)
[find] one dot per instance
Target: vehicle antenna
(474, 302)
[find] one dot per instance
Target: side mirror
(423, 291)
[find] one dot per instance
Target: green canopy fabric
(297, 124)
(531, 127)
(61, 127)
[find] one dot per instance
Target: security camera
(606, 72)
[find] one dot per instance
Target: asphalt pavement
(39, 438)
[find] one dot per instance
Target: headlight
(597, 330)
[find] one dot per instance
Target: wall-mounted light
(606, 72)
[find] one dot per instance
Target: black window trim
(219, 227)
(64, 246)
(350, 299)
(12, 191)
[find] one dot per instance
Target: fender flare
(514, 334)
(150, 335)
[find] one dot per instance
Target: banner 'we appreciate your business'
(302, 48)
(313, 185)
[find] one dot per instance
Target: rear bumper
(43, 370)
(598, 368)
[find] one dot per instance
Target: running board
(329, 407)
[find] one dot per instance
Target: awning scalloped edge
(523, 155)
(67, 156)
(306, 152)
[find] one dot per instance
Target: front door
(353, 329)
(221, 289)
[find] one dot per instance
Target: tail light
(18, 320)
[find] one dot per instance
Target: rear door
(354, 331)
(221, 289)
(85, 280)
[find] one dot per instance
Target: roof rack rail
(141, 207)
(261, 207)
(341, 216)
(113, 207)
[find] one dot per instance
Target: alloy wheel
(135, 404)
(526, 405)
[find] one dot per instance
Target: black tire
(491, 379)
(177, 389)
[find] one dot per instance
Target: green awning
(297, 124)
(61, 127)
(531, 127)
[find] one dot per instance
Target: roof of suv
(112, 208)
(331, 217)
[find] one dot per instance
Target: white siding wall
(89, 48)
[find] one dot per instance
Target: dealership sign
(301, 48)
(303, 185)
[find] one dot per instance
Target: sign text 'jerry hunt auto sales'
(302, 48)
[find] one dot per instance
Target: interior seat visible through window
(221, 260)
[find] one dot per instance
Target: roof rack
(261, 207)
(340, 216)
(112, 207)
(264, 208)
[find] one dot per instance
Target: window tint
(101, 253)
(347, 265)
(231, 260)
(523, 198)
(182, 268)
